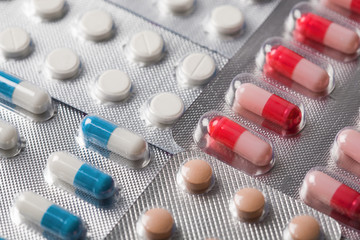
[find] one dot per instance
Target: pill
(114, 138)
(15, 42)
(85, 177)
(227, 20)
(96, 25)
(157, 224)
(348, 141)
(146, 47)
(322, 188)
(353, 5)
(62, 63)
(164, 108)
(270, 106)
(9, 136)
(38, 210)
(197, 69)
(249, 203)
(240, 141)
(330, 34)
(24, 94)
(49, 10)
(197, 175)
(177, 6)
(113, 85)
(297, 68)
(302, 227)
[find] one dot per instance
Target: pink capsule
(348, 141)
(353, 5)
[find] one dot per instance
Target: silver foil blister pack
(26, 172)
(94, 58)
(193, 24)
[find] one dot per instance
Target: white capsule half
(9, 136)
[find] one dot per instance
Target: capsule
(298, 69)
(348, 141)
(9, 136)
(330, 34)
(270, 106)
(240, 141)
(353, 5)
(24, 94)
(114, 138)
(40, 211)
(71, 170)
(320, 187)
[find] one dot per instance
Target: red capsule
(353, 5)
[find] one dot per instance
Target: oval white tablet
(96, 25)
(197, 69)
(9, 136)
(49, 9)
(165, 108)
(226, 20)
(113, 85)
(15, 42)
(62, 63)
(177, 6)
(146, 46)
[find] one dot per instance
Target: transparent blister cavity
(46, 218)
(25, 98)
(179, 8)
(332, 193)
(195, 176)
(11, 143)
(348, 9)
(303, 227)
(155, 223)
(45, 11)
(83, 180)
(295, 68)
(325, 31)
(345, 150)
(162, 110)
(15, 44)
(228, 141)
(249, 205)
(114, 142)
(265, 106)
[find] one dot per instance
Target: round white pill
(62, 63)
(177, 6)
(113, 85)
(165, 108)
(96, 25)
(15, 42)
(49, 9)
(226, 20)
(197, 69)
(146, 46)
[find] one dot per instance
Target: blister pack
(123, 68)
(223, 26)
(55, 187)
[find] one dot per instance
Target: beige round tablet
(177, 6)
(226, 19)
(249, 203)
(49, 9)
(197, 175)
(157, 223)
(113, 85)
(304, 228)
(15, 42)
(96, 25)
(62, 63)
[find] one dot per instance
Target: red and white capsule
(270, 106)
(297, 68)
(330, 34)
(240, 141)
(353, 5)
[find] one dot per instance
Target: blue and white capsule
(34, 208)
(24, 94)
(113, 138)
(82, 176)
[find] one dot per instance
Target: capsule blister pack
(53, 175)
(236, 207)
(206, 22)
(113, 68)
